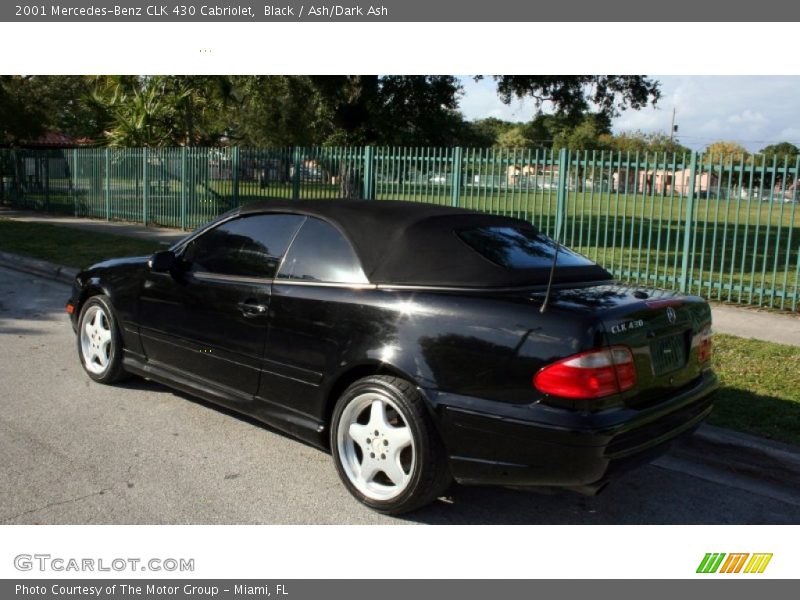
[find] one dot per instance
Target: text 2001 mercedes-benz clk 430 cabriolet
(419, 343)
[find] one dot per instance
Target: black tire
(429, 476)
(113, 371)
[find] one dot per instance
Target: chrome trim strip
(393, 286)
(437, 288)
(442, 288)
(206, 276)
(300, 282)
(539, 288)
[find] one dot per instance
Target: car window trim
(352, 285)
(515, 288)
(457, 233)
(291, 243)
(394, 286)
(226, 278)
(329, 284)
(208, 276)
(179, 248)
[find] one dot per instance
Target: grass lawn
(67, 246)
(760, 391)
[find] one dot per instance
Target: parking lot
(78, 452)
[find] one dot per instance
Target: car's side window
(250, 246)
(320, 253)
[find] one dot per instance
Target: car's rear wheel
(99, 341)
(385, 447)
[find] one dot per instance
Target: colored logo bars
(718, 563)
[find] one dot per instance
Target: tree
(497, 132)
(391, 110)
(21, 117)
(164, 110)
(276, 111)
(726, 151)
(641, 142)
(572, 96)
(784, 151)
(140, 113)
(486, 132)
(45, 103)
(513, 138)
(68, 105)
(585, 136)
(411, 110)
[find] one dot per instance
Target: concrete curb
(42, 268)
(741, 454)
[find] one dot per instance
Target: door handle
(251, 308)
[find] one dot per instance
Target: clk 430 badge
(627, 326)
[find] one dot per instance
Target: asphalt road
(79, 452)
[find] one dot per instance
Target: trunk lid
(661, 328)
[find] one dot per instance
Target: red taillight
(704, 346)
(592, 374)
(70, 308)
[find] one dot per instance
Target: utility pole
(673, 128)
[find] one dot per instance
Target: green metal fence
(725, 228)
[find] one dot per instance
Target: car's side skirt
(271, 413)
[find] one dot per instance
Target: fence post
(75, 180)
(47, 180)
(235, 166)
(183, 187)
(455, 190)
(13, 193)
(561, 199)
(296, 159)
(369, 173)
(108, 183)
(688, 225)
(145, 186)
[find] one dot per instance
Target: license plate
(668, 354)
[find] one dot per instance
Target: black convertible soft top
(413, 243)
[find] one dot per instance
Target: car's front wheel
(99, 341)
(385, 447)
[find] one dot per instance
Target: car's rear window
(519, 248)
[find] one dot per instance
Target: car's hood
(119, 262)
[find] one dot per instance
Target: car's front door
(209, 319)
(315, 315)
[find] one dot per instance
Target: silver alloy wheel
(96, 340)
(376, 446)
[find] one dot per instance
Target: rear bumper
(558, 447)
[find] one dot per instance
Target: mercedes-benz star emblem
(671, 316)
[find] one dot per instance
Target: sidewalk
(164, 235)
(760, 325)
(733, 320)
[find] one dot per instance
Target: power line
(708, 139)
(774, 141)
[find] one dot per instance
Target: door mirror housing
(163, 261)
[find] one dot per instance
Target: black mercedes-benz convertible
(420, 344)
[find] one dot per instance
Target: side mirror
(163, 261)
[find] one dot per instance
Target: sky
(754, 111)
